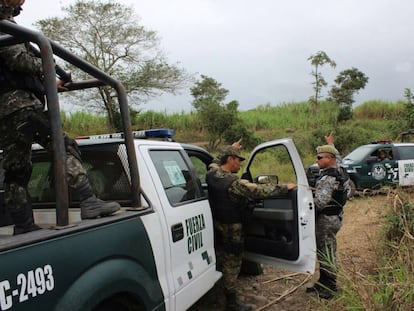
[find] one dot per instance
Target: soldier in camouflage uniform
(331, 192)
(23, 122)
(229, 196)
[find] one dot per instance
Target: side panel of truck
(77, 270)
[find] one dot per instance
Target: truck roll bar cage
(14, 34)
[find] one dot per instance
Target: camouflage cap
(231, 151)
(328, 149)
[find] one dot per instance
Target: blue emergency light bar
(143, 134)
(157, 133)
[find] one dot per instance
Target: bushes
(396, 272)
(373, 120)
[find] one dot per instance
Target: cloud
(259, 50)
(403, 67)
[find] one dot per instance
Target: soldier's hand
(13, 3)
(291, 186)
(61, 85)
(237, 144)
(330, 140)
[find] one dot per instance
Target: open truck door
(281, 231)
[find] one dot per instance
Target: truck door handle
(177, 232)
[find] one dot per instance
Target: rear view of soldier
(22, 122)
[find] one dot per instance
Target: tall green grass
(391, 284)
(82, 123)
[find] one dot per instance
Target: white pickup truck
(157, 253)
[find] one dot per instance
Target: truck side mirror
(267, 179)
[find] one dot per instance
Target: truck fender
(108, 278)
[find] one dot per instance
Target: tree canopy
(318, 60)
(217, 116)
(347, 83)
(221, 121)
(109, 35)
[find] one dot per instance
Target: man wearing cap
(229, 196)
(331, 192)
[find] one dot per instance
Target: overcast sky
(258, 50)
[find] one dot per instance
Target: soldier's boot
(326, 286)
(91, 206)
(233, 304)
(18, 203)
(23, 220)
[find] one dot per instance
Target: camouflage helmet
(231, 151)
(327, 149)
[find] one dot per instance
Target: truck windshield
(359, 153)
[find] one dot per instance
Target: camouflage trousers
(326, 229)
(229, 247)
(17, 135)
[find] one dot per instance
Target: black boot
(20, 209)
(326, 286)
(91, 206)
(233, 304)
(23, 220)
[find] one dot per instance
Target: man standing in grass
(331, 192)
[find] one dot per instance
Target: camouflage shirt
(18, 59)
(325, 189)
(241, 190)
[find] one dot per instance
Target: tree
(109, 35)
(216, 116)
(347, 83)
(221, 121)
(408, 112)
(409, 96)
(318, 60)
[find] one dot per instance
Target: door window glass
(274, 162)
(176, 178)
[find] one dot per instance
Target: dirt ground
(282, 290)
